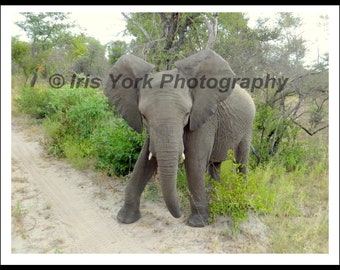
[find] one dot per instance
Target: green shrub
(275, 138)
(34, 101)
(84, 116)
(79, 152)
(292, 155)
(235, 194)
(117, 146)
(64, 98)
(55, 133)
(74, 113)
(80, 124)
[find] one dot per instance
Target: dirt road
(58, 209)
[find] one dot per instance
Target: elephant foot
(128, 216)
(198, 220)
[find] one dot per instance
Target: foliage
(182, 186)
(34, 101)
(78, 151)
(118, 147)
(21, 57)
(116, 49)
(236, 194)
(276, 137)
(72, 116)
(83, 117)
(81, 126)
(46, 31)
(268, 189)
(44, 28)
(76, 47)
(163, 38)
(243, 47)
(92, 60)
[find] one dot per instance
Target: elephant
(192, 116)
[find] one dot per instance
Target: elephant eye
(143, 116)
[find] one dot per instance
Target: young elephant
(191, 113)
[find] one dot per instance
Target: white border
(193, 259)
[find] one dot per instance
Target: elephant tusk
(182, 157)
(150, 156)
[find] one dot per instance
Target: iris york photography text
(176, 81)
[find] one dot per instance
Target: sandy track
(64, 210)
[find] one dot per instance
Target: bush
(275, 138)
(79, 152)
(84, 116)
(81, 125)
(74, 114)
(34, 101)
(117, 146)
(235, 194)
(63, 99)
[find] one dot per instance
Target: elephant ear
(211, 72)
(122, 88)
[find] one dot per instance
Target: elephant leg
(142, 172)
(198, 197)
(242, 154)
(197, 153)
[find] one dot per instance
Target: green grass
(299, 219)
(293, 204)
(235, 194)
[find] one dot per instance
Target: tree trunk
(35, 77)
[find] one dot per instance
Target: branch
(212, 30)
(145, 33)
(304, 75)
(182, 29)
(310, 133)
(169, 29)
(257, 155)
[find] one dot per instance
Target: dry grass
(18, 216)
(307, 230)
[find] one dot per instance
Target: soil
(59, 209)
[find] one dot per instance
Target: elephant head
(168, 103)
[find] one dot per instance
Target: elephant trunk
(167, 169)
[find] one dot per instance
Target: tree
(62, 58)
(46, 31)
(240, 45)
(92, 61)
(164, 38)
(301, 103)
(21, 57)
(116, 49)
